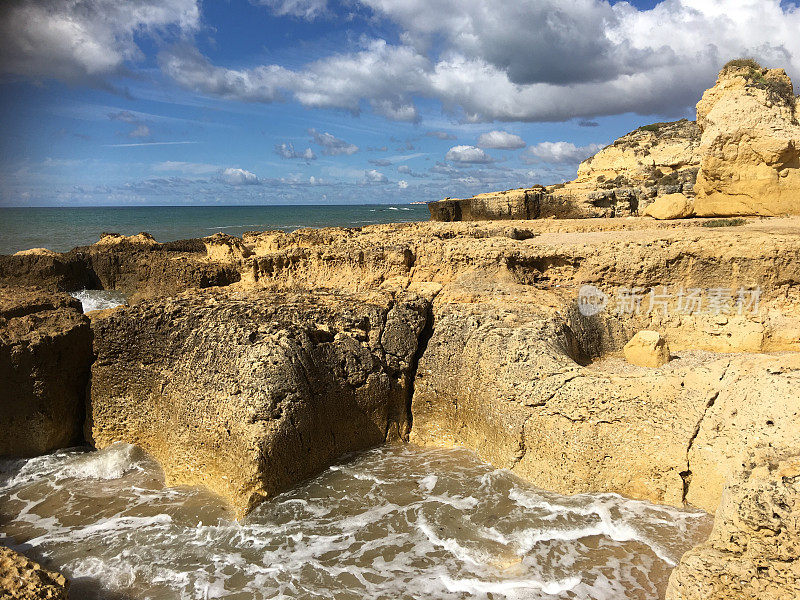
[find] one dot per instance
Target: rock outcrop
(750, 145)
(250, 393)
(753, 551)
(620, 180)
(741, 158)
(136, 265)
(24, 579)
(45, 353)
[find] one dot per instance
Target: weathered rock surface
(753, 551)
(647, 349)
(24, 579)
(508, 384)
(249, 393)
(533, 203)
(45, 353)
(750, 145)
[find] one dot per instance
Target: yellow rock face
(671, 206)
(750, 145)
(647, 349)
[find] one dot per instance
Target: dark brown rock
(45, 353)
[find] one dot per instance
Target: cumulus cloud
(402, 184)
(500, 140)
(559, 153)
(233, 176)
(406, 170)
(375, 176)
(467, 155)
(84, 40)
(331, 145)
(380, 162)
(531, 60)
(286, 150)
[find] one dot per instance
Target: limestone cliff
(750, 145)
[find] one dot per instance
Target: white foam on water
(476, 586)
(396, 522)
(99, 299)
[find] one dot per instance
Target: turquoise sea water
(61, 229)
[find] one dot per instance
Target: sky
(184, 102)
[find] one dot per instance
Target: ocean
(394, 523)
(61, 229)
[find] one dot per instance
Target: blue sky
(315, 101)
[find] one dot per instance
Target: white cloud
(529, 60)
(142, 131)
(286, 150)
(559, 153)
(83, 40)
(374, 176)
(233, 176)
(331, 145)
(467, 155)
(501, 140)
(402, 184)
(306, 9)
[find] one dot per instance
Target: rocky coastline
(249, 364)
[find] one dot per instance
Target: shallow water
(394, 522)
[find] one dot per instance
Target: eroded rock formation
(24, 579)
(753, 551)
(750, 145)
(250, 393)
(45, 353)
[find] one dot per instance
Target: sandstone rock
(249, 393)
(670, 206)
(136, 265)
(647, 349)
(45, 353)
(225, 248)
(511, 204)
(24, 579)
(37, 252)
(112, 239)
(750, 145)
(753, 551)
